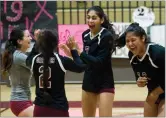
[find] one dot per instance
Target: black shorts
(98, 84)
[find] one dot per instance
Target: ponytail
(46, 44)
(47, 96)
(7, 57)
(106, 24)
(136, 29)
(46, 70)
(121, 41)
(10, 47)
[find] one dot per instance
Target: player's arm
(105, 50)
(75, 65)
(31, 55)
(160, 61)
(34, 50)
(130, 55)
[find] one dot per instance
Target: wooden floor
(128, 97)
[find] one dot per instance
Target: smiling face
(135, 44)
(25, 41)
(94, 21)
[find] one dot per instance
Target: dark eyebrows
(94, 16)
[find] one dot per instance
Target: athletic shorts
(42, 111)
(161, 97)
(108, 90)
(18, 106)
(98, 83)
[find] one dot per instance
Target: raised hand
(65, 49)
(71, 43)
(36, 34)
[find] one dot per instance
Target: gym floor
(128, 100)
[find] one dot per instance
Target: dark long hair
(10, 47)
(106, 24)
(47, 43)
(136, 29)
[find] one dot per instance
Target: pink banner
(74, 30)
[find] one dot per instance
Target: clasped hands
(69, 45)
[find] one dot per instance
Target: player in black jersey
(48, 68)
(148, 62)
(98, 81)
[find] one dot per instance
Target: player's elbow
(81, 68)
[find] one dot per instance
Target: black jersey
(151, 65)
(97, 55)
(57, 68)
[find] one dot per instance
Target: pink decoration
(74, 30)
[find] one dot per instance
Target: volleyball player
(148, 62)
(49, 68)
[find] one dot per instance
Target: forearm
(76, 57)
(91, 60)
(29, 59)
(75, 65)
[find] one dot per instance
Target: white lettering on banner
(121, 53)
(120, 27)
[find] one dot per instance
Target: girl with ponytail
(148, 62)
(14, 64)
(98, 81)
(49, 70)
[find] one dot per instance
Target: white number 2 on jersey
(41, 68)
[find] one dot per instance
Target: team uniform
(57, 69)
(98, 76)
(20, 83)
(152, 66)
